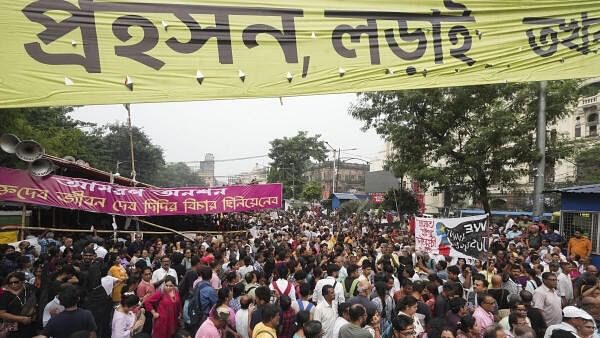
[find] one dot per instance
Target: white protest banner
(466, 237)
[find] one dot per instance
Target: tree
(102, 147)
(588, 164)
(464, 139)
(401, 200)
(177, 175)
(291, 157)
(51, 127)
(112, 148)
(312, 191)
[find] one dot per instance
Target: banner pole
(540, 179)
(23, 220)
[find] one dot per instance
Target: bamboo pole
(23, 220)
(42, 229)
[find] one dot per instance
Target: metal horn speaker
(29, 151)
(41, 167)
(8, 142)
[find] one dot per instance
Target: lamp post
(333, 173)
(336, 167)
(117, 167)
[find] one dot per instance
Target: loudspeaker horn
(29, 151)
(41, 167)
(8, 143)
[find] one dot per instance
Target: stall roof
(350, 196)
(345, 196)
(502, 213)
(581, 189)
(91, 173)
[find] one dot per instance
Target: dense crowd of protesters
(302, 277)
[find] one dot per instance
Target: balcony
(589, 101)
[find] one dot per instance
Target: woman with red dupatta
(165, 307)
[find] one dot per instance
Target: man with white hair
(363, 298)
(573, 319)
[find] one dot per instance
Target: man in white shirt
(326, 311)
(514, 232)
(51, 309)
(101, 252)
(331, 279)
(282, 286)
(248, 266)
(565, 285)
(68, 244)
(343, 319)
(158, 276)
(573, 319)
(509, 224)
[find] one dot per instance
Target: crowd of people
(300, 276)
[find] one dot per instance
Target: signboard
(466, 237)
(76, 52)
(377, 197)
(75, 193)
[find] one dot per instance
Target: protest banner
(93, 196)
(465, 237)
(76, 52)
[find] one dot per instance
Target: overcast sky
(242, 128)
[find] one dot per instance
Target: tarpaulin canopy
(67, 52)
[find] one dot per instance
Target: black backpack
(195, 313)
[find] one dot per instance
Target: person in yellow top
(579, 245)
(119, 272)
(270, 320)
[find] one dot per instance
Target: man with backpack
(282, 286)
(303, 304)
(203, 299)
(351, 282)
(331, 279)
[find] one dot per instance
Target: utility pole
(538, 197)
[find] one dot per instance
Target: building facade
(350, 176)
(206, 169)
(258, 174)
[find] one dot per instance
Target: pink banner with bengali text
(81, 194)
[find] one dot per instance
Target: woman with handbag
(17, 307)
(126, 323)
(165, 307)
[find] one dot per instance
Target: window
(593, 130)
(577, 131)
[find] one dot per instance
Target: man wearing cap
(573, 319)
(213, 326)
(547, 299)
(331, 279)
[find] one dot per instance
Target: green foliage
(51, 127)
(588, 164)
(312, 191)
(401, 200)
(357, 207)
(178, 175)
(464, 139)
(102, 147)
(290, 159)
(113, 147)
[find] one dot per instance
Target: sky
(242, 128)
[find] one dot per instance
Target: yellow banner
(7, 237)
(59, 52)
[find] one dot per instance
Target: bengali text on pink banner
(76, 193)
